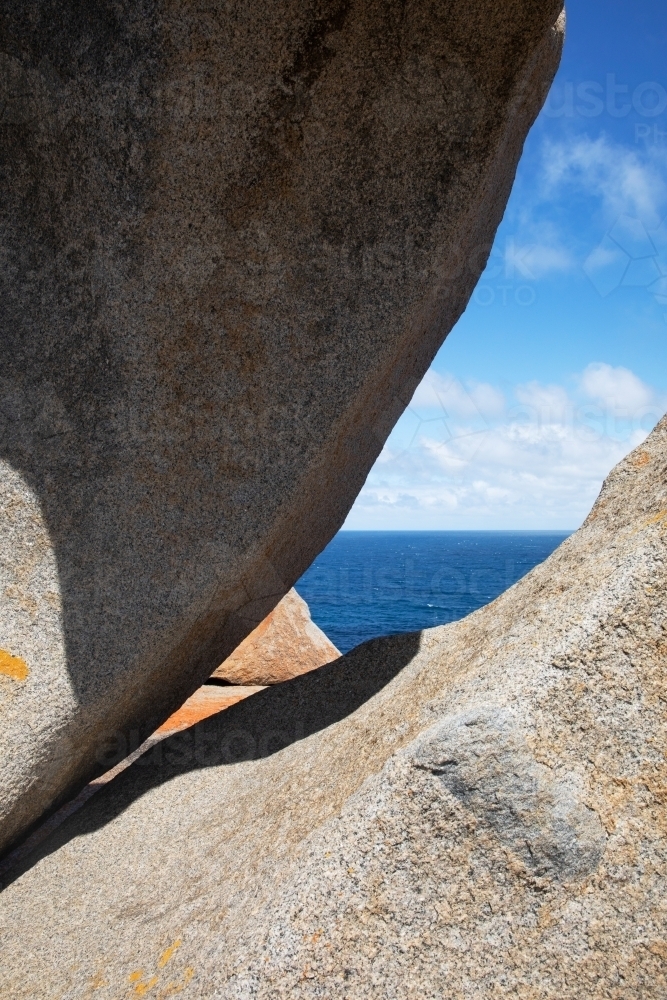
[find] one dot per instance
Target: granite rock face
(286, 644)
(233, 236)
(478, 810)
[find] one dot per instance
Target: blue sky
(559, 365)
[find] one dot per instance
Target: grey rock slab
(476, 810)
(483, 760)
(232, 237)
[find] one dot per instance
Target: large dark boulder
(233, 236)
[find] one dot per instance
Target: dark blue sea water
(370, 583)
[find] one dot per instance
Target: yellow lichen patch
(651, 520)
(142, 988)
(98, 981)
(656, 519)
(13, 666)
(137, 974)
(167, 954)
(173, 988)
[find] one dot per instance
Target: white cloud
(618, 389)
(538, 253)
(448, 395)
(537, 463)
(489, 401)
(606, 255)
(549, 402)
(542, 260)
(627, 181)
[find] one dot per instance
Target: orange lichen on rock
(167, 954)
(286, 644)
(13, 666)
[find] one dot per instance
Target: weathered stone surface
(233, 236)
(206, 701)
(286, 644)
(478, 810)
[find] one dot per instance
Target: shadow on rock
(255, 728)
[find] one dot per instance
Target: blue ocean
(371, 583)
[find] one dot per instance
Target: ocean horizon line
(454, 531)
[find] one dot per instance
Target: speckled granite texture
(232, 237)
(286, 644)
(475, 811)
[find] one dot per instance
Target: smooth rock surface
(475, 811)
(232, 238)
(286, 644)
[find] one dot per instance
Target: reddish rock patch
(287, 643)
(208, 700)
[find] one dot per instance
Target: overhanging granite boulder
(233, 237)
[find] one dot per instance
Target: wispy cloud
(448, 395)
(626, 181)
(617, 389)
(580, 189)
(538, 251)
(549, 403)
(533, 458)
(543, 259)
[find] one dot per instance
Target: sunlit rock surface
(286, 644)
